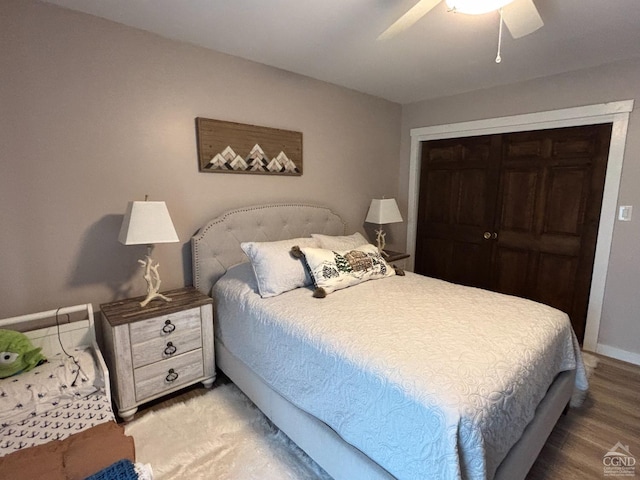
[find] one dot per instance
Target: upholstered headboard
(216, 246)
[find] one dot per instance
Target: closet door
(549, 201)
(515, 213)
(457, 204)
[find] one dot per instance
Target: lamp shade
(382, 211)
(147, 223)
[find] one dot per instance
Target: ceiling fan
(521, 17)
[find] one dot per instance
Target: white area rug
(590, 364)
(220, 435)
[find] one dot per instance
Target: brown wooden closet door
(548, 212)
(538, 194)
(458, 191)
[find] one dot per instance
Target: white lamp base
(152, 277)
(381, 242)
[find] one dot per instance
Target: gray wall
(94, 114)
(620, 323)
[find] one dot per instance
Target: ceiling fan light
(476, 7)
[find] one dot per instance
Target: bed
(399, 377)
(56, 419)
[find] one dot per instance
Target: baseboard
(618, 354)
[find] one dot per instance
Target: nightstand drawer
(164, 326)
(177, 343)
(167, 374)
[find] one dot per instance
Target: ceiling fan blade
(412, 15)
(521, 18)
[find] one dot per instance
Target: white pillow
(276, 271)
(333, 270)
(340, 242)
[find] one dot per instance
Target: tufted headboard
(216, 246)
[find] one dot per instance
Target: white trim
(614, 112)
(618, 354)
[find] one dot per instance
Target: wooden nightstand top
(395, 256)
(129, 310)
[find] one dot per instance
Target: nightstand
(155, 350)
(396, 258)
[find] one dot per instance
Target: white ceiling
(335, 40)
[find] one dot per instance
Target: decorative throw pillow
(17, 353)
(276, 271)
(340, 242)
(332, 270)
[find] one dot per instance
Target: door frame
(614, 112)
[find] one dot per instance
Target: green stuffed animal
(17, 353)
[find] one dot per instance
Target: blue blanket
(121, 470)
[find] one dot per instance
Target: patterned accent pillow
(332, 270)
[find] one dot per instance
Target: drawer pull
(172, 376)
(168, 327)
(170, 349)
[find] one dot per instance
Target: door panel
(439, 188)
(463, 255)
(519, 191)
(538, 197)
(436, 264)
(471, 197)
(459, 179)
(566, 200)
(555, 280)
(568, 166)
(510, 270)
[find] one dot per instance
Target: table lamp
(148, 223)
(383, 211)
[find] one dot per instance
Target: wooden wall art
(228, 147)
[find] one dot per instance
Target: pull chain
(498, 57)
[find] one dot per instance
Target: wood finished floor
(574, 450)
(610, 414)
